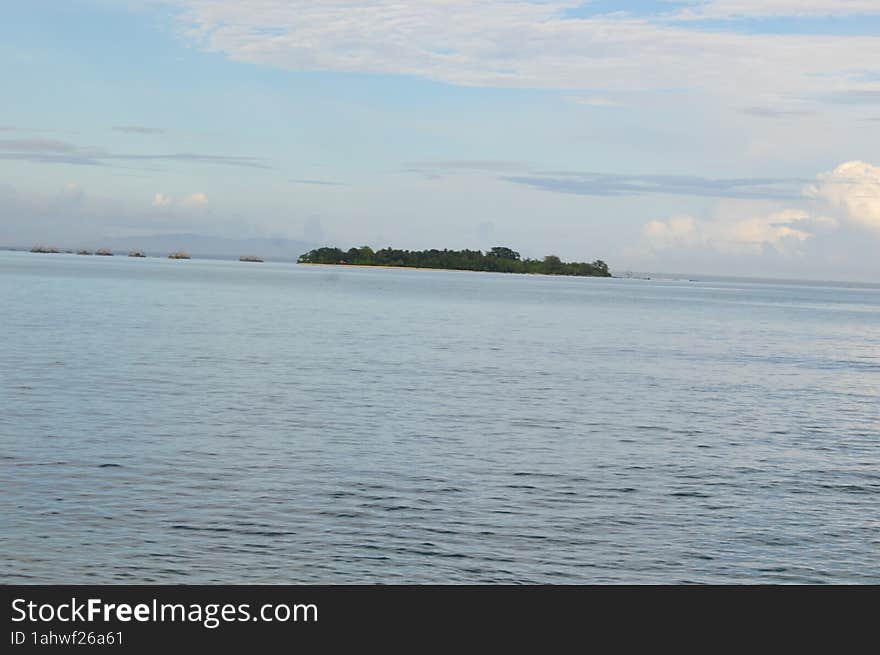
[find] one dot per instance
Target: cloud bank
(761, 8)
(604, 184)
(71, 216)
(852, 190)
(53, 151)
(546, 44)
(586, 183)
(847, 198)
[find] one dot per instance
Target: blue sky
(709, 136)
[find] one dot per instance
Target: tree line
(498, 259)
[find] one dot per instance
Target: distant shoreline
(411, 268)
(231, 258)
(654, 276)
(457, 270)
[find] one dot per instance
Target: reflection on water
(209, 421)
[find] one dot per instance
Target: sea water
(216, 421)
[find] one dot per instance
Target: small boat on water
(180, 254)
(250, 258)
(136, 253)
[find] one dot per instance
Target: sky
(702, 136)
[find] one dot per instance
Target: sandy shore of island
(452, 270)
(408, 268)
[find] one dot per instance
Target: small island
(136, 253)
(104, 252)
(250, 258)
(498, 260)
(180, 254)
(45, 250)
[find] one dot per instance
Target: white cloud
(745, 8)
(852, 189)
(520, 43)
(851, 193)
(67, 217)
(778, 230)
(195, 200)
(678, 231)
(161, 200)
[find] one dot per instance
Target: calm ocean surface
(212, 421)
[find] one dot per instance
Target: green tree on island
(499, 259)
